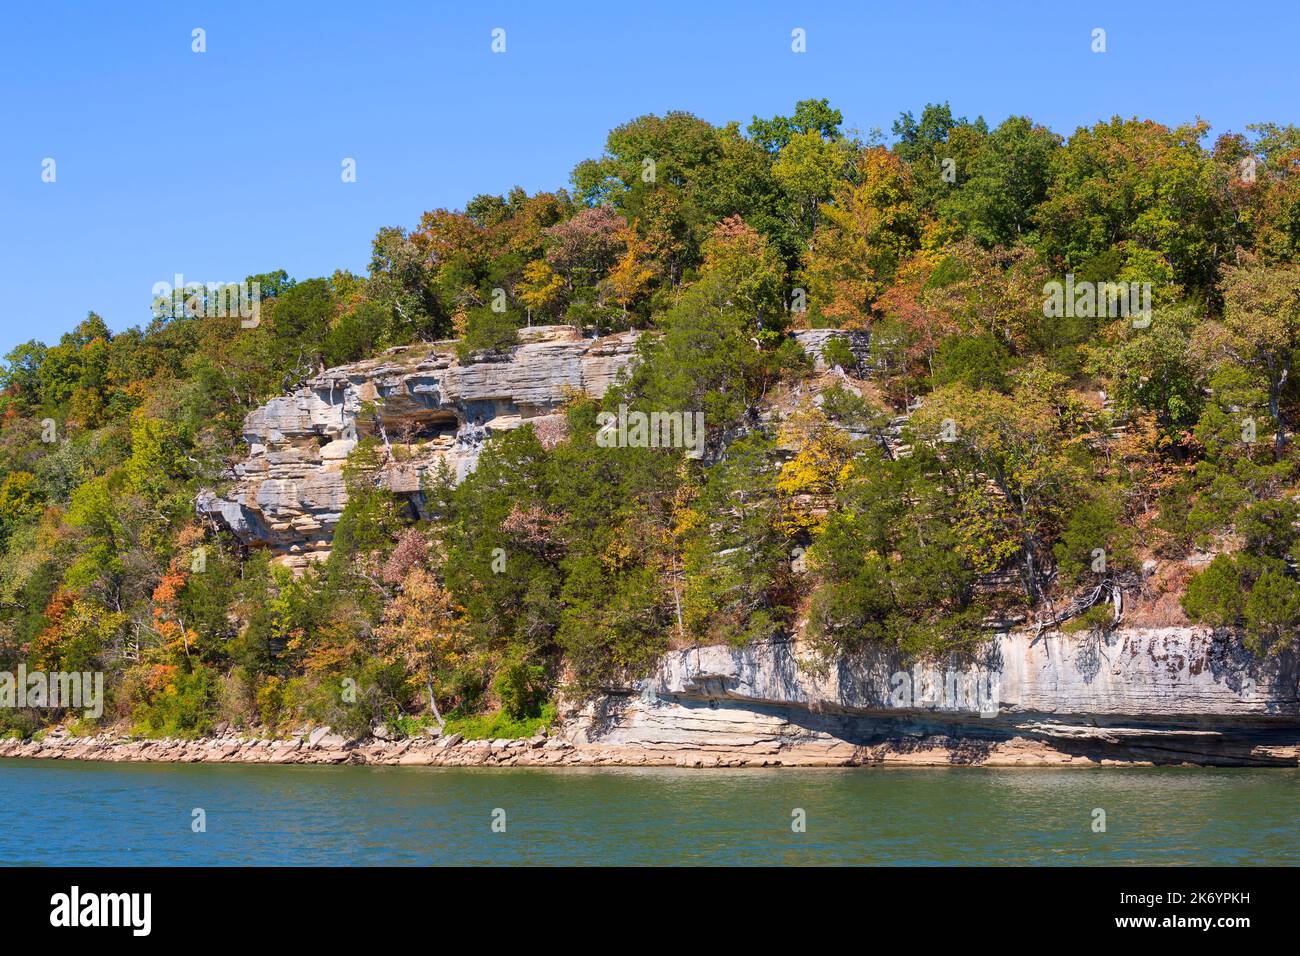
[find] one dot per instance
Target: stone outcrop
(427, 408)
(814, 341)
(319, 747)
(1172, 695)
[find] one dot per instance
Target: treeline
(1048, 455)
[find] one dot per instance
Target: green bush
(184, 708)
(979, 363)
(499, 724)
(521, 688)
(488, 331)
(1097, 523)
(1272, 612)
(1269, 528)
(838, 352)
(20, 723)
(1214, 596)
(1099, 617)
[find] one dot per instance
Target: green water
(93, 814)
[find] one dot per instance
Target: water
(125, 814)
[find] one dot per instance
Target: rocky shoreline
(318, 747)
(1139, 697)
(544, 751)
(925, 751)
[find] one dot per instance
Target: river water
(98, 814)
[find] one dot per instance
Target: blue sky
(227, 163)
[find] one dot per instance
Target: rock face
(814, 341)
(428, 409)
(1169, 695)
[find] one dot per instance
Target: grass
(500, 725)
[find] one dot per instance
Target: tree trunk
(433, 704)
(1275, 409)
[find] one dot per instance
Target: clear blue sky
(227, 163)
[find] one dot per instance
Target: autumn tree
(1261, 330)
(868, 229)
(741, 260)
(421, 629)
(631, 274)
(1020, 442)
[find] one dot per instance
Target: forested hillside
(1016, 451)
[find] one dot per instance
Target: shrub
(521, 688)
(488, 331)
(838, 352)
(1097, 523)
(976, 362)
(183, 704)
(500, 724)
(1272, 612)
(1214, 596)
(1269, 528)
(1099, 617)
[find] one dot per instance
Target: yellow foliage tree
(868, 228)
(540, 286)
(632, 273)
(422, 630)
(809, 480)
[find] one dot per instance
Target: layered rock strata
(814, 342)
(1161, 696)
(427, 408)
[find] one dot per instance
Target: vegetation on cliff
(1053, 444)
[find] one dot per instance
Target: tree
(632, 272)
(868, 229)
(1214, 596)
(938, 144)
(740, 259)
(1154, 369)
(583, 249)
(541, 287)
(658, 170)
(421, 630)
(736, 564)
(810, 116)
(976, 362)
(810, 480)
(1141, 182)
(808, 169)
(1272, 612)
(1262, 325)
(401, 281)
(1018, 442)
(1007, 180)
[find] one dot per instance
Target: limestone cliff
(428, 408)
(1168, 695)
(425, 405)
(1158, 695)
